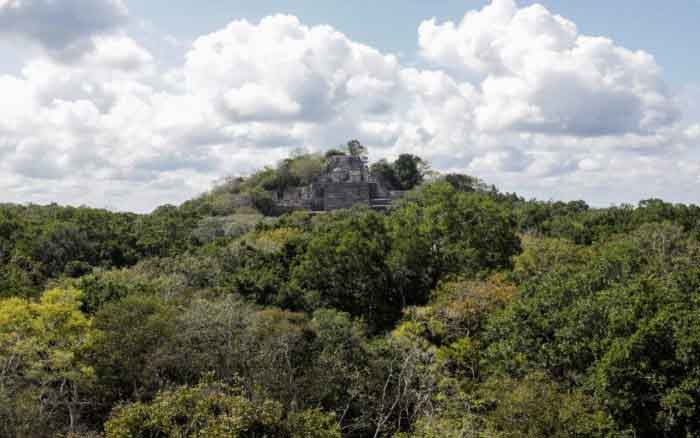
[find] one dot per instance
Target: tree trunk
(72, 413)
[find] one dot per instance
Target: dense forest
(460, 312)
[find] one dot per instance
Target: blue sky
(130, 104)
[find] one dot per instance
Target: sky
(130, 104)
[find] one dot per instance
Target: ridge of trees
(462, 312)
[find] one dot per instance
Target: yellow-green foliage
(443, 427)
(306, 167)
(451, 326)
(43, 358)
(47, 338)
(215, 410)
(447, 336)
(541, 255)
(273, 240)
(532, 407)
(458, 309)
(536, 407)
(313, 423)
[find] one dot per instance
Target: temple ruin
(345, 182)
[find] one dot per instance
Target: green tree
(536, 407)
(126, 353)
(44, 366)
(60, 244)
(441, 232)
(386, 174)
(619, 324)
(166, 231)
(409, 171)
(306, 167)
(338, 367)
(267, 348)
(215, 410)
(344, 267)
(356, 149)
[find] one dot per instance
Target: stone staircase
(380, 203)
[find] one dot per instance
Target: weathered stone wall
(345, 195)
(345, 182)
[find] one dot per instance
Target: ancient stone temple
(346, 181)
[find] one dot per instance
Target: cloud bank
(516, 96)
(64, 28)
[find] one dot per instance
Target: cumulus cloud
(538, 74)
(64, 28)
(503, 160)
(516, 96)
(118, 52)
(280, 69)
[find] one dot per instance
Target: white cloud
(256, 102)
(693, 132)
(538, 74)
(118, 52)
(505, 160)
(64, 28)
(590, 164)
(281, 69)
(515, 96)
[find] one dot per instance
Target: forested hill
(461, 312)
